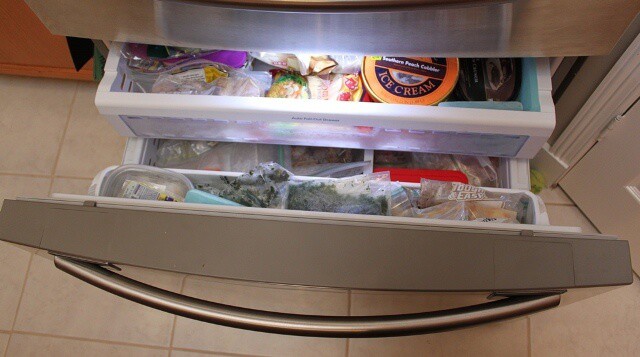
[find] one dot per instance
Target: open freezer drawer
(485, 132)
(521, 268)
(528, 265)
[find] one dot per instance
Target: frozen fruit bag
(479, 170)
(454, 200)
(264, 186)
(362, 194)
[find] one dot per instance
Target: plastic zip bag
(211, 78)
(457, 201)
(265, 186)
(145, 58)
(307, 64)
(182, 153)
(356, 195)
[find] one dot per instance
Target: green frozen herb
(323, 197)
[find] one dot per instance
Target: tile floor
(55, 141)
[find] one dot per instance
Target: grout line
(15, 317)
(175, 317)
(6, 348)
(64, 135)
(528, 336)
(86, 339)
(24, 175)
(231, 354)
(72, 177)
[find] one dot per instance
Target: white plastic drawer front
(470, 131)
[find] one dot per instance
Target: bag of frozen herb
(265, 186)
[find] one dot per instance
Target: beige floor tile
(23, 186)
(72, 186)
(33, 114)
(13, 269)
(197, 335)
(56, 303)
(569, 216)
(555, 196)
(4, 340)
(507, 338)
(604, 325)
(30, 345)
(91, 144)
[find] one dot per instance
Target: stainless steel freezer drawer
(528, 267)
(456, 28)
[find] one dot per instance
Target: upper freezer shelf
(382, 126)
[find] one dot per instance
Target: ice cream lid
(410, 80)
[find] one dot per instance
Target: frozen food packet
(280, 60)
(454, 200)
(265, 186)
(315, 64)
(363, 194)
(288, 85)
(157, 58)
(181, 153)
(345, 87)
(479, 170)
(308, 64)
(210, 78)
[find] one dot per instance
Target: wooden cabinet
(28, 48)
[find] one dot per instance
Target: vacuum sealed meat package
(463, 202)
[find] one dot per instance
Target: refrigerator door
(457, 28)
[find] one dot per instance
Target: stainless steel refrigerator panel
(437, 28)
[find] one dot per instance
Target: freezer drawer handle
(304, 325)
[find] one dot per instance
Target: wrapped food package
(311, 64)
(341, 87)
(480, 170)
(211, 78)
(157, 58)
(288, 85)
(463, 202)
